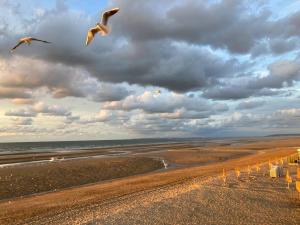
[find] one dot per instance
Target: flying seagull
(102, 27)
(27, 40)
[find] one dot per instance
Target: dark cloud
(228, 92)
(150, 46)
(29, 73)
(281, 74)
(218, 24)
(109, 92)
(21, 75)
(115, 59)
(280, 46)
(233, 25)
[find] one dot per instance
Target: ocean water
(6, 148)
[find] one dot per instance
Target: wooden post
(298, 187)
(224, 176)
(257, 168)
(288, 179)
(238, 172)
(270, 164)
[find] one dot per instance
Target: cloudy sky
(224, 68)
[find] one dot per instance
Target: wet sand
(36, 178)
(19, 157)
(79, 205)
(72, 169)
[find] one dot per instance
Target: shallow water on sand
(61, 146)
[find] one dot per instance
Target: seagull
(157, 92)
(102, 27)
(27, 40)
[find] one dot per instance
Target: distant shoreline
(7, 148)
(59, 146)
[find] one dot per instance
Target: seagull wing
(91, 33)
(34, 39)
(107, 14)
(14, 48)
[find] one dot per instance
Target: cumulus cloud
(23, 121)
(108, 93)
(184, 114)
(166, 50)
(250, 105)
(228, 92)
(50, 110)
(215, 23)
(61, 81)
(21, 113)
(281, 74)
(103, 116)
(180, 21)
(151, 103)
(20, 75)
(245, 124)
(40, 108)
(294, 112)
(160, 62)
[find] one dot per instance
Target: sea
(64, 146)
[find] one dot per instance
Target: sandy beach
(254, 199)
(136, 189)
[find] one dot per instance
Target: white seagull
(102, 27)
(27, 40)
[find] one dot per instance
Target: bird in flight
(102, 27)
(158, 92)
(27, 40)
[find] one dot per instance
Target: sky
(225, 68)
